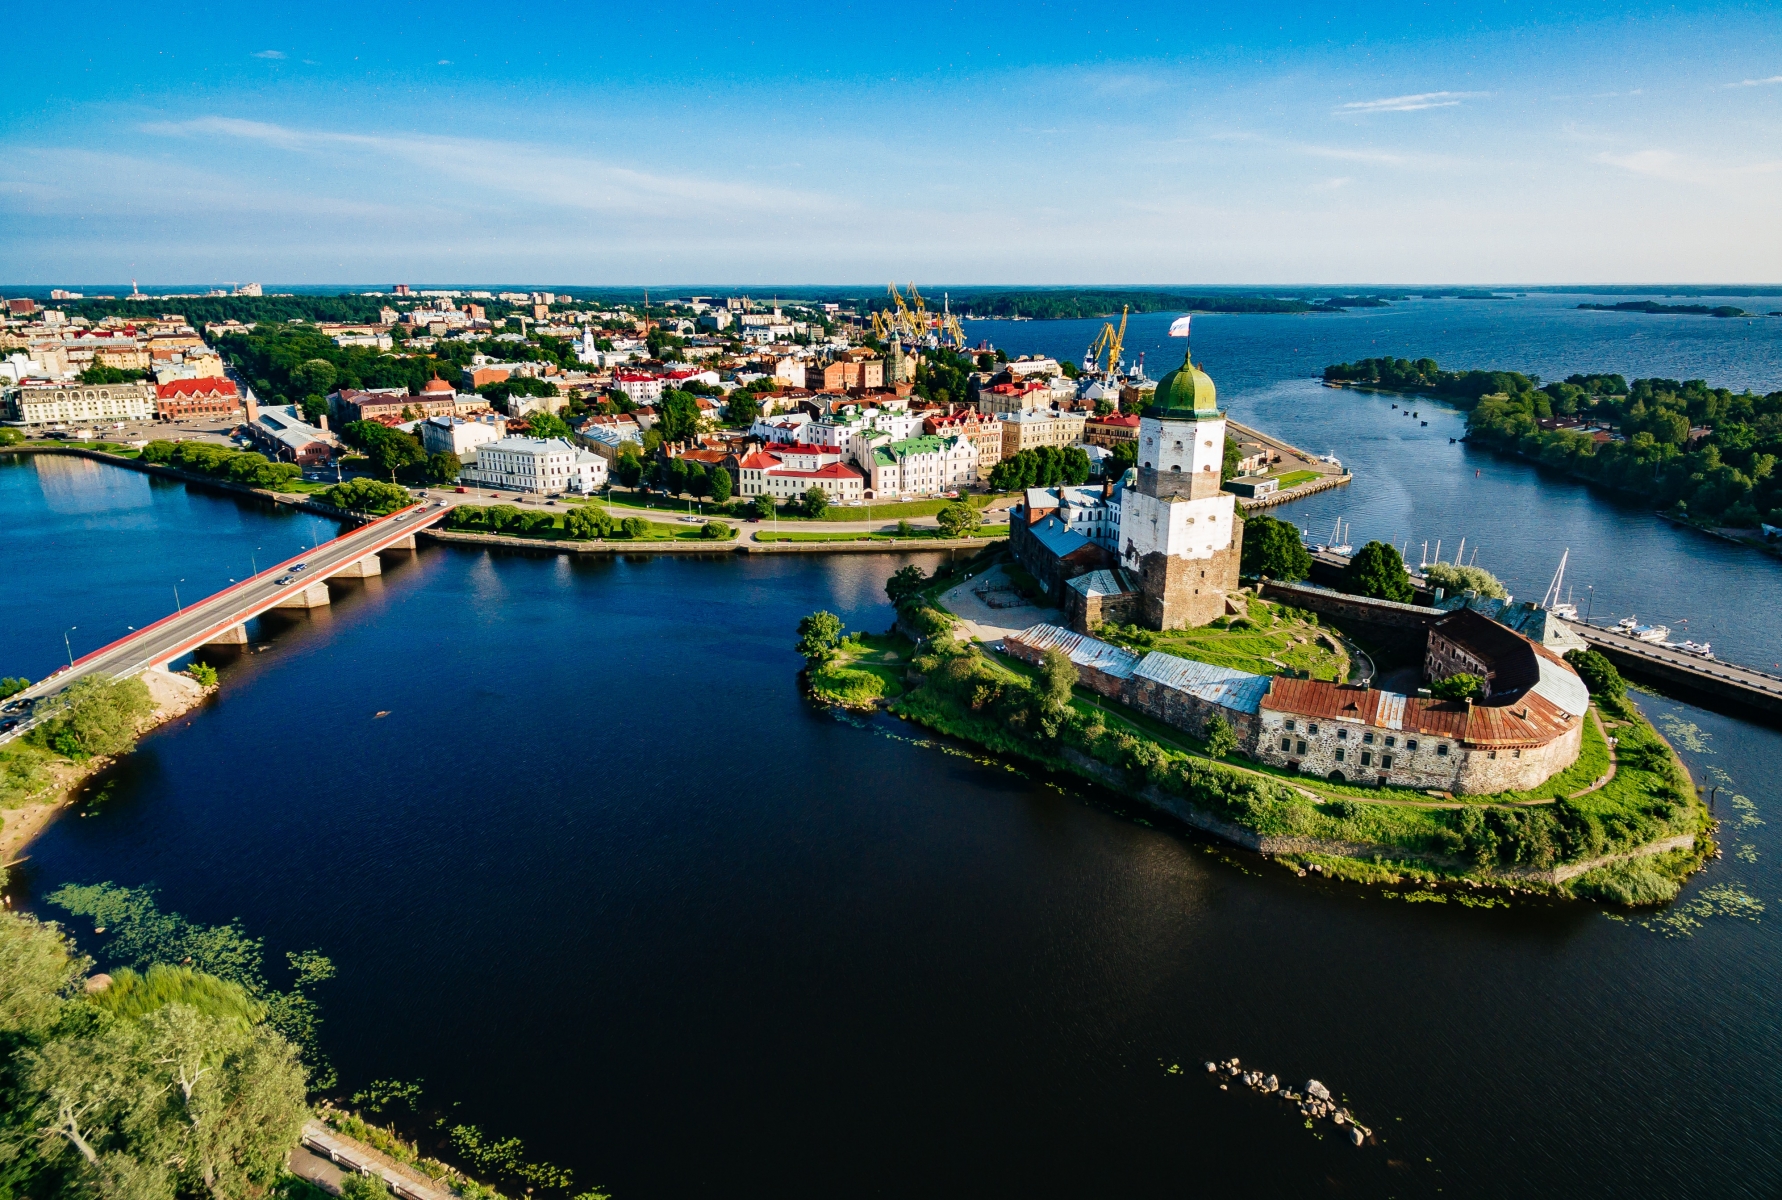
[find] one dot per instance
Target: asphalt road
(198, 623)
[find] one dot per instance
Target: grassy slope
(1269, 643)
(869, 667)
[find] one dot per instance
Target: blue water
(1414, 487)
(603, 878)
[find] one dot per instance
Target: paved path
(971, 603)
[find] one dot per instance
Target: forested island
(1708, 454)
(1652, 306)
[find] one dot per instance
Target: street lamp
(176, 604)
(69, 646)
(1589, 603)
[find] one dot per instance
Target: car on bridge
(282, 579)
(299, 567)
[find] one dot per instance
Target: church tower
(1180, 532)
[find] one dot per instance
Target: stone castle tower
(1179, 532)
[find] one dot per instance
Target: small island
(1652, 306)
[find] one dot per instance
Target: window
(1288, 726)
(1342, 735)
(1286, 743)
(1442, 750)
(1515, 754)
(1385, 762)
(1339, 756)
(1368, 738)
(1302, 748)
(1491, 754)
(1410, 745)
(1367, 758)
(1391, 741)
(1312, 730)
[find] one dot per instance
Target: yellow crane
(1110, 339)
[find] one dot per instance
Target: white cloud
(1669, 165)
(269, 54)
(1416, 103)
(1772, 80)
(445, 62)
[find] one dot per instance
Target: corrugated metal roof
(1080, 648)
(1561, 685)
(1239, 691)
(1390, 712)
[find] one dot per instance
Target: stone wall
(1182, 593)
(1086, 614)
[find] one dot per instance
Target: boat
(1646, 633)
(1702, 649)
(1338, 544)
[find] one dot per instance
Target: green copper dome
(1185, 392)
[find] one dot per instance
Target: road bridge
(221, 619)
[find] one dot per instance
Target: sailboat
(1564, 609)
(1338, 544)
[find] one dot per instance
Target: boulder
(1271, 1083)
(1317, 1090)
(1211, 1067)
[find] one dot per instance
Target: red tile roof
(831, 471)
(181, 389)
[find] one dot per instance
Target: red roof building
(184, 399)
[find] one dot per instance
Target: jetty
(1722, 686)
(1330, 475)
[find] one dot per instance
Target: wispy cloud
(1416, 103)
(1331, 185)
(1669, 165)
(269, 54)
(1770, 82)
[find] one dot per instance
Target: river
(603, 878)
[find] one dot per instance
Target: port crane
(1111, 340)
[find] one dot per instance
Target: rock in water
(1355, 1135)
(1317, 1090)
(1271, 1083)
(1211, 1068)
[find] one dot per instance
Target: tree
(203, 673)
(677, 416)
(816, 501)
(95, 716)
(634, 527)
(1378, 571)
(718, 482)
(715, 531)
(587, 522)
(366, 495)
(699, 480)
(764, 506)
(1058, 675)
(1228, 468)
(12, 685)
(1597, 672)
(363, 1187)
(744, 408)
(818, 635)
(443, 467)
(1221, 737)
(1454, 580)
(100, 373)
(1458, 687)
(549, 425)
(629, 468)
(959, 519)
(904, 583)
(674, 476)
(1275, 549)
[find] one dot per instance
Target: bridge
(221, 619)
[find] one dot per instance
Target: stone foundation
(1183, 593)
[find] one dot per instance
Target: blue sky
(837, 143)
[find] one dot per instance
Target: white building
(642, 388)
(455, 435)
(921, 466)
(72, 403)
(787, 473)
(540, 465)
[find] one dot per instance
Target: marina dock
(1722, 686)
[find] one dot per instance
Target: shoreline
(174, 695)
(715, 548)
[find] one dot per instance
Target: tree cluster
(1454, 580)
(1274, 548)
(393, 452)
(238, 466)
(1041, 466)
(366, 495)
(1376, 570)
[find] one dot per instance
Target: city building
(640, 386)
(281, 433)
(1028, 430)
(921, 466)
(984, 432)
(538, 465)
(788, 472)
(455, 435)
(57, 404)
(183, 399)
(1111, 430)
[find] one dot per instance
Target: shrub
(1221, 737)
(95, 716)
(715, 531)
(1458, 687)
(204, 673)
(1631, 883)
(1597, 672)
(634, 527)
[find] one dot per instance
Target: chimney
(324, 422)
(1107, 487)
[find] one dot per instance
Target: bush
(1632, 883)
(1597, 672)
(715, 531)
(1458, 687)
(764, 507)
(1221, 737)
(95, 716)
(634, 527)
(1454, 580)
(203, 673)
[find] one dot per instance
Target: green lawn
(659, 531)
(869, 667)
(1294, 478)
(739, 507)
(846, 536)
(1265, 641)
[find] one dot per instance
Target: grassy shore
(867, 668)
(1538, 840)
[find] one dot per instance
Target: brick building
(183, 399)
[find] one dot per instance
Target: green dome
(1186, 391)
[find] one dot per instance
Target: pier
(1722, 686)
